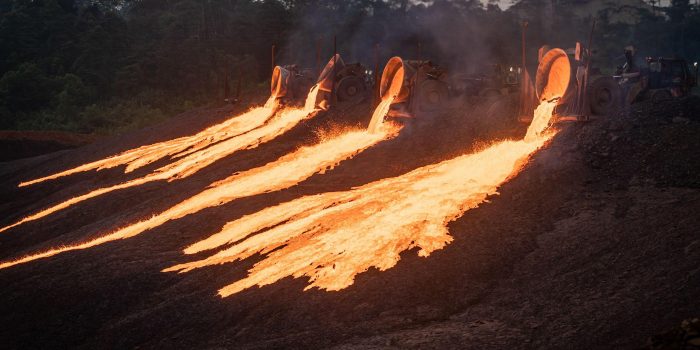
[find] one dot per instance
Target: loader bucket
(392, 89)
(395, 80)
(553, 75)
(279, 85)
(327, 76)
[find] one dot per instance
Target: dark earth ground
(594, 245)
(24, 144)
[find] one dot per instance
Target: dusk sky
(504, 4)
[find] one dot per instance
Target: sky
(504, 4)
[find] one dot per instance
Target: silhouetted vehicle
(657, 79)
(338, 82)
(662, 79)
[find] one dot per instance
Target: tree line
(110, 65)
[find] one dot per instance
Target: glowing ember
(144, 155)
(332, 237)
(194, 161)
(282, 173)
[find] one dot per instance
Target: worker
(632, 80)
(630, 68)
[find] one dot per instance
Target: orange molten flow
(198, 156)
(332, 237)
(144, 155)
(280, 174)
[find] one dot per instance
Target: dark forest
(100, 66)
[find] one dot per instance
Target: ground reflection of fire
(280, 174)
(195, 153)
(332, 237)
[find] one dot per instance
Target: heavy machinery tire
(604, 96)
(431, 96)
(351, 89)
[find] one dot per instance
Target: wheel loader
(497, 80)
(422, 89)
(339, 83)
(590, 93)
(662, 79)
(413, 88)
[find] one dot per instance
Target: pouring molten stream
(391, 85)
(193, 153)
(332, 237)
(136, 158)
(139, 157)
(285, 172)
(195, 157)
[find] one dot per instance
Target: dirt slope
(23, 144)
(594, 245)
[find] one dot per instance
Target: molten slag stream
(193, 162)
(332, 237)
(283, 173)
(379, 114)
(144, 155)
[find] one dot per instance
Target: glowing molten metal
(144, 155)
(332, 237)
(220, 143)
(285, 172)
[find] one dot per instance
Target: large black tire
(431, 96)
(351, 89)
(604, 96)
